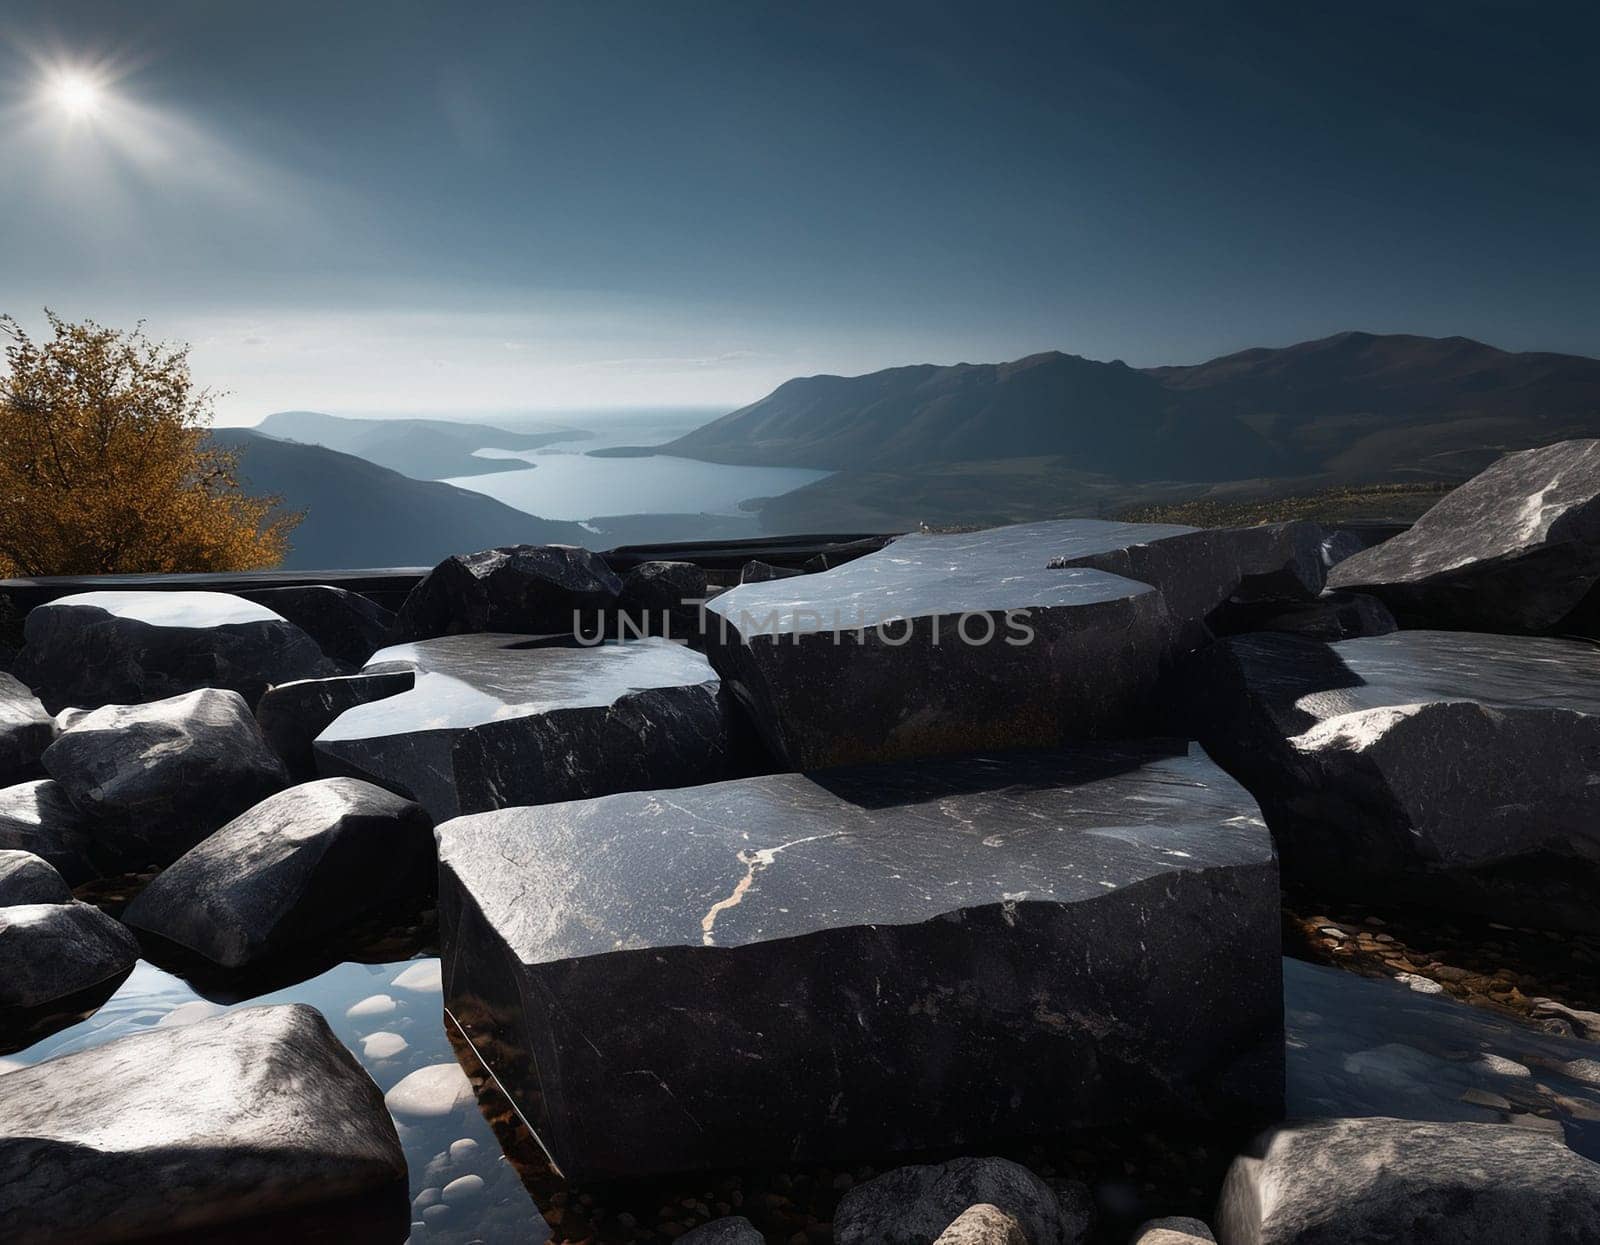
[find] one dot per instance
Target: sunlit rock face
(100, 648)
(300, 867)
(26, 878)
(198, 1128)
(1516, 548)
(1444, 768)
(522, 589)
(496, 720)
(1400, 1180)
(37, 817)
(346, 625)
(50, 952)
(947, 644)
(25, 732)
(856, 962)
(157, 778)
(292, 715)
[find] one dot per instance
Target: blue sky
(486, 208)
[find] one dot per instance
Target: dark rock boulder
(758, 572)
(916, 1205)
(37, 817)
(25, 732)
(733, 1230)
(1442, 768)
(298, 868)
(664, 598)
(519, 589)
(101, 648)
(1332, 616)
(1516, 548)
(160, 777)
(1381, 1179)
(198, 1129)
(946, 644)
(54, 951)
(494, 720)
(292, 715)
(347, 626)
(25, 878)
(919, 928)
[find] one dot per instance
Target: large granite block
(102, 648)
(862, 961)
(495, 720)
(1446, 768)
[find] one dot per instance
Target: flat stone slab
(195, 1128)
(297, 869)
(1445, 768)
(100, 648)
(862, 961)
(496, 720)
(1516, 548)
(943, 644)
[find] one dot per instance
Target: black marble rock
(518, 589)
(347, 626)
(947, 644)
(102, 648)
(863, 961)
(1422, 1183)
(37, 817)
(1424, 767)
(664, 598)
(26, 878)
(159, 777)
(300, 867)
(1332, 616)
(496, 720)
(25, 732)
(197, 1129)
(1516, 548)
(292, 715)
(758, 572)
(52, 951)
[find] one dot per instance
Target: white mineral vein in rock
(753, 862)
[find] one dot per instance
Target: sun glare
(76, 95)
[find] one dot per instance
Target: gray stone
(37, 817)
(947, 644)
(1174, 1230)
(733, 1230)
(292, 715)
(300, 867)
(983, 1224)
(1559, 1018)
(495, 720)
(100, 648)
(25, 732)
(52, 951)
(921, 930)
(521, 589)
(1332, 616)
(914, 1205)
(159, 777)
(1516, 548)
(197, 1128)
(25, 878)
(347, 626)
(1328, 1182)
(758, 572)
(1443, 768)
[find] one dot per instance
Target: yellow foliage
(106, 465)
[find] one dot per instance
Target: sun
(76, 94)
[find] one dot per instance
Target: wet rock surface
(496, 720)
(292, 715)
(299, 867)
(25, 732)
(520, 589)
(946, 644)
(195, 1128)
(918, 1205)
(26, 878)
(1400, 1180)
(1440, 768)
(157, 778)
(101, 648)
(53, 951)
(920, 928)
(1516, 548)
(347, 626)
(37, 817)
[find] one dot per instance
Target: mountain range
(424, 449)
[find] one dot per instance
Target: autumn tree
(107, 465)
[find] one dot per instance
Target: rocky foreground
(904, 857)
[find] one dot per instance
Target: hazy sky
(480, 208)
